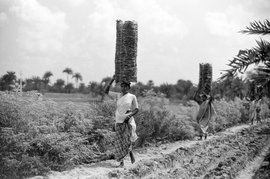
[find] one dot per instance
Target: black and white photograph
(152, 89)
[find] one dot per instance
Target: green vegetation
(42, 135)
(68, 127)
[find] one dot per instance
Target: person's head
(125, 86)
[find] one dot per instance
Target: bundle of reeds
(118, 65)
(126, 51)
(205, 78)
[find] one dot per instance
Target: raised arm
(107, 88)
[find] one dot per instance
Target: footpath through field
(224, 155)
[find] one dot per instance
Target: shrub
(40, 135)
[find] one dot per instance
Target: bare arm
(107, 88)
(132, 113)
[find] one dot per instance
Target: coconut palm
(77, 77)
(46, 78)
(258, 54)
(68, 71)
(7, 81)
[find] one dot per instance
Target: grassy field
(70, 97)
(61, 131)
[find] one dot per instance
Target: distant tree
(82, 88)
(68, 71)
(77, 77)
(138, 88)
(182, 88)
(95, 88)
(167, 89)
(46, 78)
(34, 83)
(69, 87)
(230, 88)
(7, 81)
(59, 85)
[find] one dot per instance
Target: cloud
(3, 18)
(149, 14)
(76, 3)
(40, 29)
(158, 20)
(219, 24)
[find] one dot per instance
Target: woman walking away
(255, 110)
(205, 114)
(125, 126)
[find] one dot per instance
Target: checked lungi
(122, 141)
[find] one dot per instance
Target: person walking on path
(255, 110)
(205, 114)
(125, 126)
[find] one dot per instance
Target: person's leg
(132, 158)
(259, 118)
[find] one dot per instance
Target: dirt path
(223, 155)
(249, 171)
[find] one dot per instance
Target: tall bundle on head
(118, 61)
(126, 51)
(205, 79)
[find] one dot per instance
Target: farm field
(70, 97)
(59, 135)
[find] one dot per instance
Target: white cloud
(148, 14)
(3, 18)
(41, 30)
(219, 24)
(76, 2)
(158, 20)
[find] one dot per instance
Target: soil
(238, 152)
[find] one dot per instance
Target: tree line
(182, 90)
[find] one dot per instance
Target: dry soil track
(234, 153)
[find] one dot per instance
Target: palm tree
(77, 77)
(256, 55)
(7, 81)
(68, 71)
(33, 83)
(46, 78)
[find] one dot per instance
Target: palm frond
(258, 27)
(244, 58)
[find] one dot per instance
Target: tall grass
(37, 136)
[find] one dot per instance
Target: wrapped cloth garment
(125, 104)
(122, 141)
(205, 114)
(254, 110)
(125, 131)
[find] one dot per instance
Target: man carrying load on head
(125, 126)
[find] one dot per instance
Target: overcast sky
(174, 36)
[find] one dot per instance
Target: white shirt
(125, 103)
